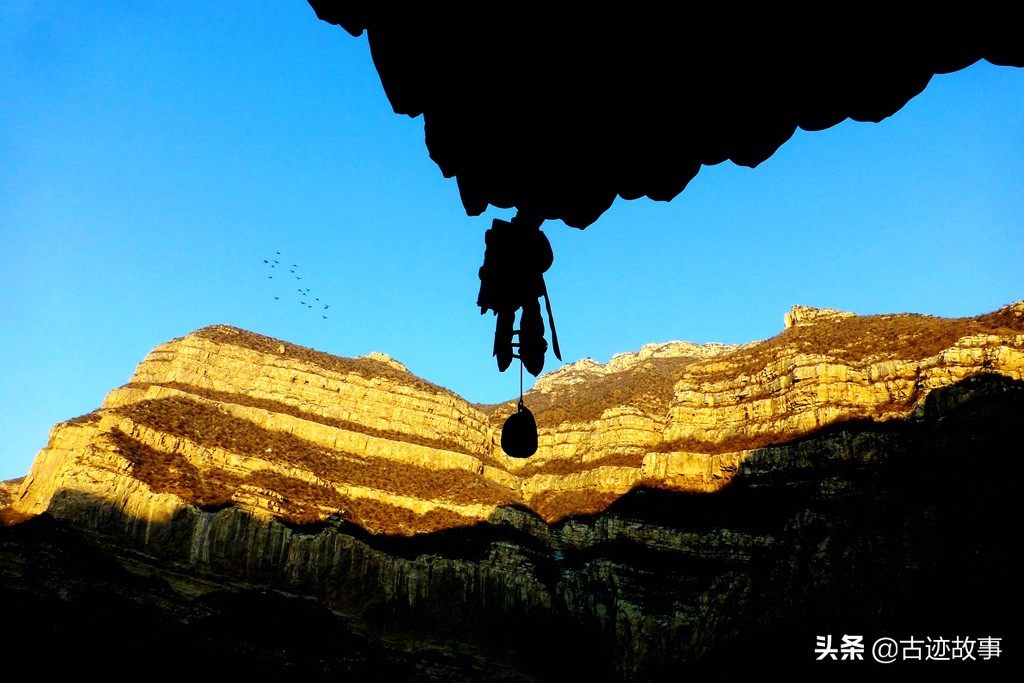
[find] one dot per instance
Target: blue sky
(153, 154)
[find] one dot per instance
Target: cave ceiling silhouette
(557, 114)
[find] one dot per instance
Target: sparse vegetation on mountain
(321, 436)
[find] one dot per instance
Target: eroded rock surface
(684, 499)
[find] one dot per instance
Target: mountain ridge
(683, 506)
(675, 415)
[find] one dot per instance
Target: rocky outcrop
(289, 432)
(685, 499)
(225, 416)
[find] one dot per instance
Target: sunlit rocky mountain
(247, 505)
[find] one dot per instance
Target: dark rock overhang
(558, 113)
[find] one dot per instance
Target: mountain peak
(228, 416)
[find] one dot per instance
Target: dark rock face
(558, 114)
(899, 529)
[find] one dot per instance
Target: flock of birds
(287, 276)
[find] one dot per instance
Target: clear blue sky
(153, 154)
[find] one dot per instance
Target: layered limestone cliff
(685, 499)
(227, 416)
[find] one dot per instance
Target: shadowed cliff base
(900, 529)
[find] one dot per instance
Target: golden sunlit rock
(226, 416)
